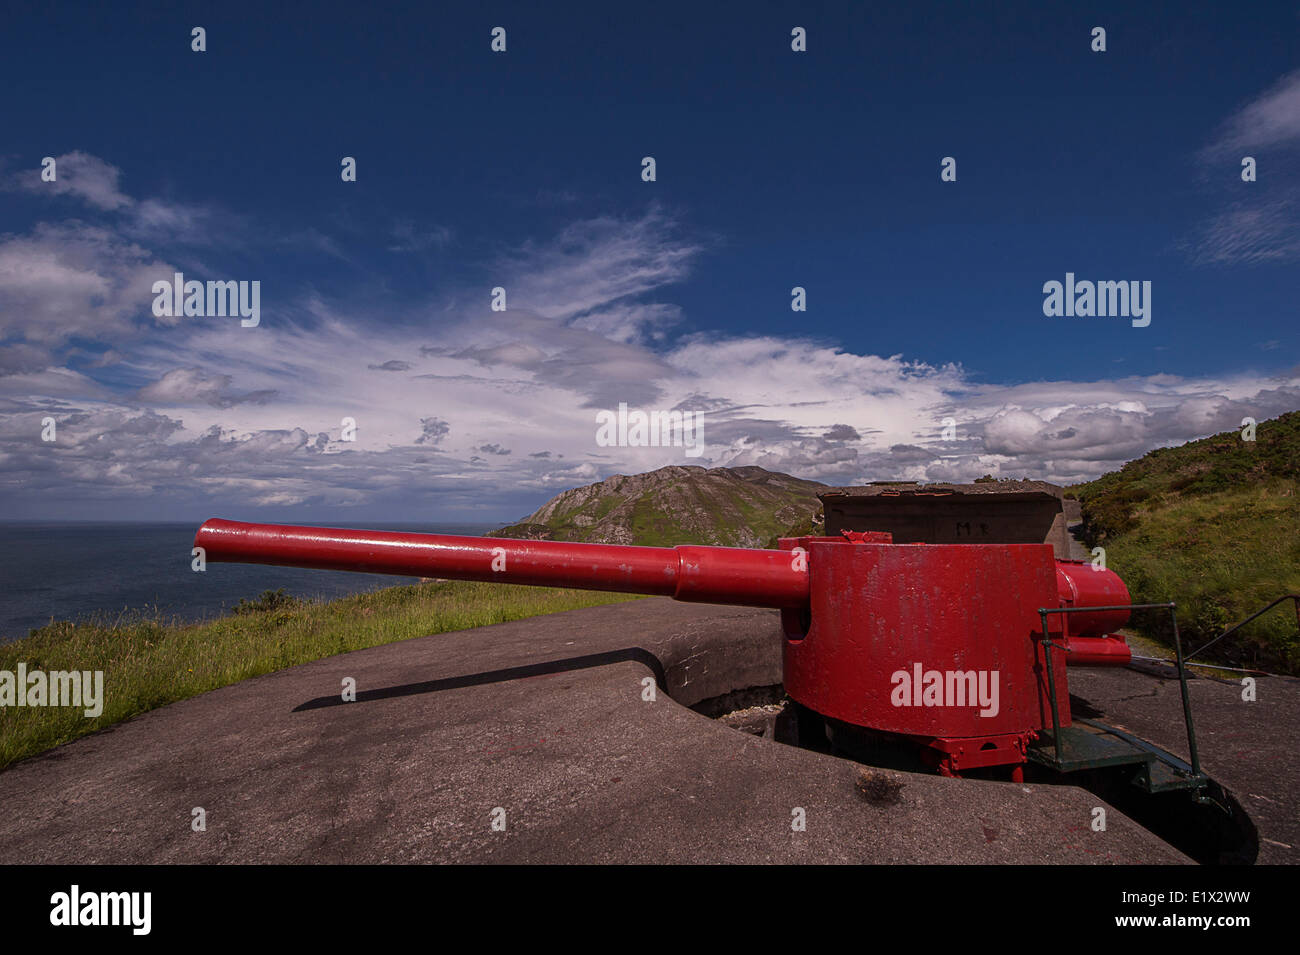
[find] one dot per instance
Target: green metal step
(1164, 773)
(1086, 747)
(1092, 745)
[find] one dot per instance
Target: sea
(78, 571)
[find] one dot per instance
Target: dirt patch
(878, 788)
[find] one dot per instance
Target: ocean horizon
(79, 570)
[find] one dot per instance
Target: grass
(1115, 504)
(149, 662)
(1221, 557)
(651, 527)
(1211, 525)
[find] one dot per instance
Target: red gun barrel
(723, 575)
(720, 575)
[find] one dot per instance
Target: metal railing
(1178, 655)
(1258, 613)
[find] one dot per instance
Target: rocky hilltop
(731, 507)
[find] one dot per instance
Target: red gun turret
(942, 643)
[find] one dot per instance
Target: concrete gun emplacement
(960, 650)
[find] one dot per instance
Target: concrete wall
(954, 519)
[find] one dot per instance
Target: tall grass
(149, 662)
(1220, 557)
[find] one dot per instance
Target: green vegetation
(731, 507)
(812, 526)
(651, 527)
(149, 662)
(1213, 525)
(271, 601)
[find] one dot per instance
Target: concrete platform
(545, 718)
(1247, 747)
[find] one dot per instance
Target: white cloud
(1254, 232)
(1270, 119)
(593, 263)
(74, 279)
(205, 411)
(183, 386)
(1257, 222)
(82, 176)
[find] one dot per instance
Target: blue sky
(522, 170)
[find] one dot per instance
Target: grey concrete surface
(545, 719)
(1247, 747)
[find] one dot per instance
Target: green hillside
(731, 507)
(1214, 525)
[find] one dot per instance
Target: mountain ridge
(678, 504)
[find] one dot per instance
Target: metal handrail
(1258, 613)
(1178, 655)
